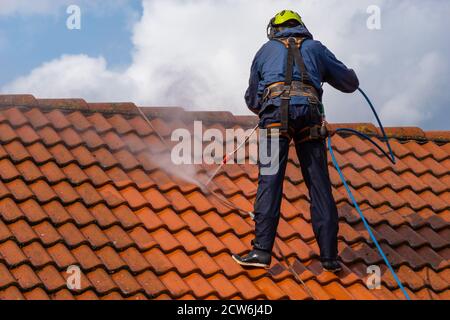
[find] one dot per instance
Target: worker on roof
(285, 90)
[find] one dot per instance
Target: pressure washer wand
(228, 156)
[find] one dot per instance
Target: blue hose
(391, 157)
(385, 138)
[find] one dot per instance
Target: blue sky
(30, 39)
(197, 53)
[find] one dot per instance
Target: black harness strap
(300, 63)
(293, 46)
(285, 96)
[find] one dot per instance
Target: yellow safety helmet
(281, 18)
(285, 16)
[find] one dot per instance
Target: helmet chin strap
(270, 32)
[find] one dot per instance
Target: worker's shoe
(255, 258)
(331, 265)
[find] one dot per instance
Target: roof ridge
(225, 117)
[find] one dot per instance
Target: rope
(292, 271)
(146, 119)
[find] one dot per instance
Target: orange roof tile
(84, 184)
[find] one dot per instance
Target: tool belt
(296, 89)
(315, 132)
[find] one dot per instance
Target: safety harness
(290, 88)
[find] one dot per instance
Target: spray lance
(228, 156)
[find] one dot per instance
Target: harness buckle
(286, 93)
(314, 133)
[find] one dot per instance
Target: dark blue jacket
(269, 66)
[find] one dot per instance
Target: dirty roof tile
(126, 217)
(119, 177)
(112, 197)
(37, 255)
(194, 221)
(8, 171)
(37, 294)
(216, 222)
(27, 135)
(23, 232)
(212, 244)
(230, 268)
(103, 215)
(126, 282)
(158, 260)
(178, 201)
(87, 259)
(71, 234)
(61, 256)
(185, 264)
(29, 209)
(83, 156)
(149, 218)
(51, 278)
(247, 289)
(95, 236)
(166, 240)
(134, 260)
(11, 293)
(141, 179)
(88, 194)
(110, 258)
(80, 213)
(49, 136)
(206, 264)
(47, 233)
(45, 193)
(151, 284)
(126, 160)
(200, 287)
(120, 239)
(12, 254)
(190, 243)
(6, 278)
(133, 197)
(74, 174)
(176, 286)
(235, 244)
(157, 201)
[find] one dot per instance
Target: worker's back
(269, 66)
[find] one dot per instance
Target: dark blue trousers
(312, 156)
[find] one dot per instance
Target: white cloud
(74, 76)
(197, 54)
(415, 104)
